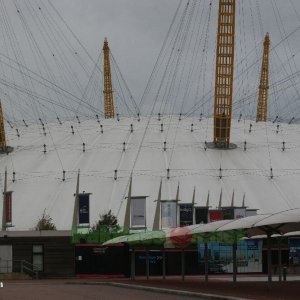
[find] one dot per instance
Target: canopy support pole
(132, 264)
(147, 264)
(234, 263)
(182, 264)
(206, 262)
(269, 262)
(279, 260)
(164, 263)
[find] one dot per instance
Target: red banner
(8, 207)
(215, 215)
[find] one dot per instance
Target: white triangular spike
(232, 199)
(220, 200)
(128, 207)
(207, 200)
(157, 210)
(76, 202)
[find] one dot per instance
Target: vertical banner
(84, 209)
(8, 207)
(186, 214)
(228, 213)
(201, 215)
(251, 212)
(215, 215)
(168, 214)
(138, 212)
(239, 213)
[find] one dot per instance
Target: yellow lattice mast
(2, 131)
(224, 73)
(262, 102)
(109, 111)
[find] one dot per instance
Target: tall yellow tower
(224, 73)
(109, 111)
(2, 131)
(262, 102)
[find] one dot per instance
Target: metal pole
(279, 260)
(269, 262)
(147, 264)
(234, 263)
(206, 262)
(132, 264)
(164, 263)
(182, 264)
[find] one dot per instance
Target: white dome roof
(39, 184)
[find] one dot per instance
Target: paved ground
(248, 287)
(59, 291)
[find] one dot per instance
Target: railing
(19, 266)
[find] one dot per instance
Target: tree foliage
(107, 219)
(45, 223)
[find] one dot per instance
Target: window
(38, 257)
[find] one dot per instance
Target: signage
(201, 215)
(215, 215)
(169, 214)
(249, 257)
(239, 213)
(138, 212)
(186, 214)
(84, 209)
(294, 251)
(228, 213)
(8, 207)
(251, 212)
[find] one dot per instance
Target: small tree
(107, 219)
(45, 223)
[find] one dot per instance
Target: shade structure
(243, 223)
(209, 233)
(180, 237)
(149, 238)
(276, 224)
(117, 240)
(265, 225)
(281, 223)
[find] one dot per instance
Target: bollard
(284, 269)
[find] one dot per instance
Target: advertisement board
(84, 208)
(186, 214)
(228, 213)
(138, 212)
(249, 257)
(239, 213)
(168, 214)
(294, 251)
(201, 215)
(215, 215)
(8, 207)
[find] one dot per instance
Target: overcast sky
(135, 30)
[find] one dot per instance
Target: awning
(226, 231)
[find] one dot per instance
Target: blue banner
(84, 209)
(186, 214)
